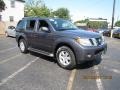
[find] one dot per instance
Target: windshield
(60, 24)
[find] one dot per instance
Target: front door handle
(35, 35)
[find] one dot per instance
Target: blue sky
(80, 9)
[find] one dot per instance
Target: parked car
(107, 33)
(101, 31)
(60, 39)
(10, 31)
(116, 33)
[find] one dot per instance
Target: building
(13, 12)
(98, 19)
(91, 20)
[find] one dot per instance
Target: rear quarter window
(21, 25)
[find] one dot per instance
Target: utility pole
(113, 14)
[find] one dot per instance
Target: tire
(108, 35)
(65, 57)
(6, 34)
(23, 46)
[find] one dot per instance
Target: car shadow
(10, 37)
(84, 65)
(89, 64)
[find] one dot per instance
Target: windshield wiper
(67, 28)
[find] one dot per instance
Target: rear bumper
(116, 35)
(89, 53)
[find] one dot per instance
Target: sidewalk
(2, 35)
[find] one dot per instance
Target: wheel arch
(21, 37)
(63, 44)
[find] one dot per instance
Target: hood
(79, 33)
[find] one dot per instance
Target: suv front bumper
(89, 53)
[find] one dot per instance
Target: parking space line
(113, 70)
(107, 62)
(17, 72)
(98, 80)
(6, 60)
(1, 51)
(71, 79)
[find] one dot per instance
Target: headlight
(84, 41)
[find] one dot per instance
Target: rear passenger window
(30, 24)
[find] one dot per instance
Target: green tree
(2, 5)
(117, 23)
(97, 24)
(62, 13)
(36, 8)
(82, 21)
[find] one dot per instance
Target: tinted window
(11, 27)
(42, 23)
(30, 24)
(21, 24)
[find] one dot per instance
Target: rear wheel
(65, 57)
(23, 46)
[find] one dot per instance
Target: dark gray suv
(60, 39)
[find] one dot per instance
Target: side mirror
(45, 29)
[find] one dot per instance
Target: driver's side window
(42, 23)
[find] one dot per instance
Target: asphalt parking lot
(37, 72)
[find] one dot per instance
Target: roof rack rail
(30, 17)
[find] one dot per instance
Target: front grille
(99, 41)
(96, 41)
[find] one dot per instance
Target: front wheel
(65, 57)
(6, 34)
(23, 46)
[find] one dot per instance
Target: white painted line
(98, 80)
(115, 62)
(6, 60)
(71, 79)
(2, 51)
(17, 72)
(113, 70)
